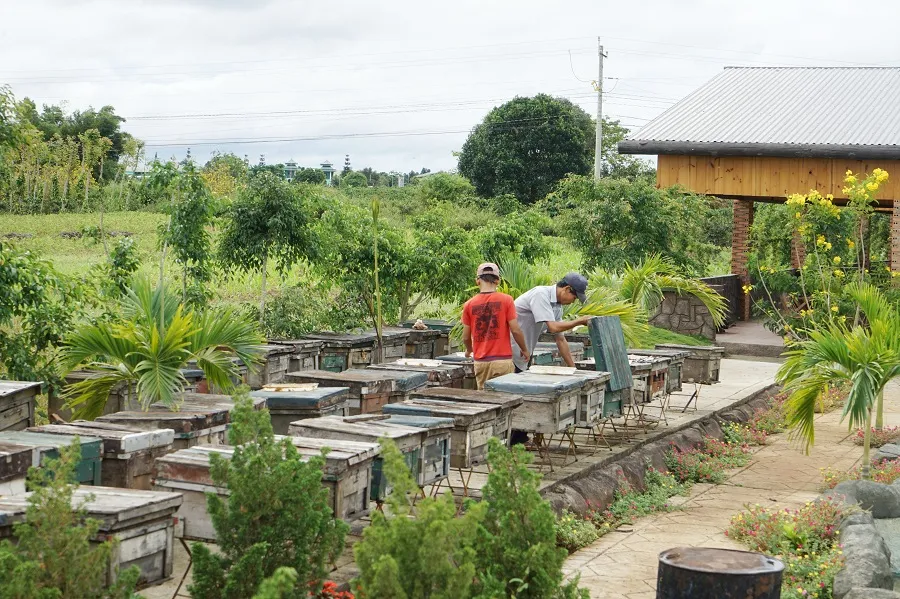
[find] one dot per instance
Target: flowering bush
(330, 591)
(574, 532)
(708, 463)
(804, 539)
(629, 504)
(771, 420)
(743, 434)
(888, 434)
(885, 472)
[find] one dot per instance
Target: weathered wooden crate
(296, 401)
(435, 457)
(305, 353)
(419, 343)
(703, 363)
(657, 379)
(204, 386)
(546, 356)
(460, 359)
(17, 399)
(343, 351)
(550, 403)
(121, 397)
(44, 447)
(474, 424)
(276, 363)
(612, 398)
(201, 418)
(439, 374)
(347, 475)
(576, 348)
(15, 460)
(583, 338)
(676, 363)
(194, 377)
(507, 402)
(139, 521)
(370, 390)
(127, 453)
(442, 344)
(641, 392)
(393, 343)
(590, 399)
(409, 441)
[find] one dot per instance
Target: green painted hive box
(45, 446)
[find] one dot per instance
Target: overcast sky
(398, 84)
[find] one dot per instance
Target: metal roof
(784, 111)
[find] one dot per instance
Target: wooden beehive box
(15, 460)
(676, 362)
(305, 353)
(576, 348)
(439, 374)
(194, 377)
(370, 390)
(474, 424)
(460, 359)
(140, 521)
(343, 351)
(610, 355)
(612, 398)
(703, 363)
(409, 441)
(44, 447)
(127, 453)
(201, 418)
(276, 363)
(573, 338)
(346, 475)
(435, 457)
(546, 356)
(17, 399)
(442, 344)
(590, 399)
(295, 401)
(419, 343)
(657, 379)
(640, 385)
(393, 343)
(507, 402)
(550, 403)
(204, 386)
(122, 396)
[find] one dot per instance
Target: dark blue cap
(578, 284)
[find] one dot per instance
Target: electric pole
(598, 145)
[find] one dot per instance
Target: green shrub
(418, 552)
(516, 546)
(277, 515)
(630, 504)
(574, 532)
(54, 556)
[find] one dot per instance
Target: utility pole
(598, 144)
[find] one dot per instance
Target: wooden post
(894, 256)
(740, 248)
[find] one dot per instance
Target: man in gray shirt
(541, 308)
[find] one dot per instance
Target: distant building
(290, 170)
(329, 171)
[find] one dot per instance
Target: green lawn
(658, 335)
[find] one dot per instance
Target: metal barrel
(710, 573)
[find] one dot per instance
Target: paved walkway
(623, 564)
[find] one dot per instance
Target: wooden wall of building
(769, 177)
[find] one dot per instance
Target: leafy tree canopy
(526, 145)
(354, 179)
(310, 175)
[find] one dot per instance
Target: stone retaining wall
(684, 314)
(598, 484)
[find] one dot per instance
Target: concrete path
(750, 339)
(623, 565)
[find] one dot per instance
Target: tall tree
(526, 145)
(269, 220)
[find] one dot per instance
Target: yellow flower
(747, 289)
(820, 240)
(797, 215)
(848, 173)
(828, 246)
(872, 186)
(850, 243)
(895, 274)
(834, 308)
(850, 180)
(839, 274)
(836, 260)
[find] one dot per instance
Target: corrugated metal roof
(837, 106)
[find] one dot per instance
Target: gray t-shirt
(535, 308)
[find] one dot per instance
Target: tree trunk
(879, 414)
(867, 442)
(262, 294)
(184, 284)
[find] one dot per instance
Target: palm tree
(645, 284)
(865, 355)
(148, 348)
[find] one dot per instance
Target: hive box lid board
(506, 400)
(674, 354)
(110, 506)
(429, 422)
(535, 384)
(462, 413)
(373, 429)
(318, 397)
(592, 375)
(11, 387)
(116, 438)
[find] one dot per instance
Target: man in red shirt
(488, 319)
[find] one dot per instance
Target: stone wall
(684, 314)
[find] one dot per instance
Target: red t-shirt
(488, 315)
